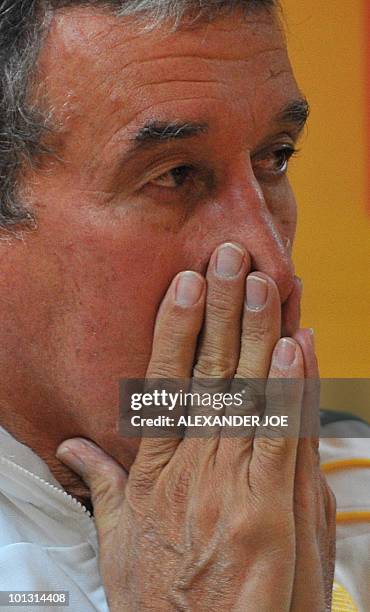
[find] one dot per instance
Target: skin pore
(169, 144)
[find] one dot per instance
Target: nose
(260, 232)
(240, 214)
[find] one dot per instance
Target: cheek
(282, 205)
(112, 266)
(113, 278)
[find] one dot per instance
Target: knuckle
(220, 308)
(182, 314)
(106, 487)
(253, 389)
(246, 529)
(163, 369)
(285, 394)
(178, 486)
(168, 355)
(175, 335)
(255, 333)
(249, 368)
(117, 480)
(239, 530)
(178, 326)
(272, 451)
(109, 475)
(214, 365)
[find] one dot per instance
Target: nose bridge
(249, 222)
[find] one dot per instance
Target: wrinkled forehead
(83, 28)
(82, 43)
(99, 65)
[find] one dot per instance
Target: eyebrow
(295, 113)
(156, 131)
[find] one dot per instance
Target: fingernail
(188, 289)
(67, 456)
(286, 351)
(229, 260)
(256, 292)
(89, 444)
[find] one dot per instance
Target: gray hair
(23, 28)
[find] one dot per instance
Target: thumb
(103, 475)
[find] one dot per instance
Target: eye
(174, 178)
(273, 163)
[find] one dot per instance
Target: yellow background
(327, 43)
(328, 51)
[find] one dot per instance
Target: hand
(315, 505)
(217, 523)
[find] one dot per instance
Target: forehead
(104, 70)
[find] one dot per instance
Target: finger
(310, 424)
(105, 478)
(291, 310)
(177, 327)
(314, 511)
(220, 341)
(219, 346)
(176, 333)
(306, 340)
(275, 448)
(329, 543)
(310, 429)
(314, 514)
(261, 326)
(261, 331)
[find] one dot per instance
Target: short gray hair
(23, 28)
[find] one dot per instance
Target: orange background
(330, 51)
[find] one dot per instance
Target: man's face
(170, 144)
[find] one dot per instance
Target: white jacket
(48, 540)
(346, 463)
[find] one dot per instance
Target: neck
(25, 432)
(42, 432)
